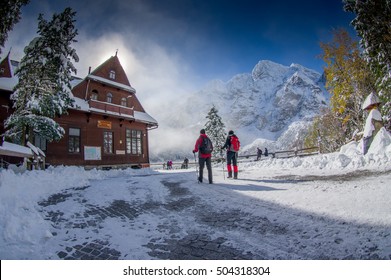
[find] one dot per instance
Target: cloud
(145, 37)
(161, 79)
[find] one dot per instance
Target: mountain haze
(272, 106)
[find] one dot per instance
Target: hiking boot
(199, 179)
(229, 174)
(235, 175)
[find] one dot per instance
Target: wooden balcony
(109, 108)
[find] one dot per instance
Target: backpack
(235, 144)
(206, 146)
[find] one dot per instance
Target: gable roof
(112, 64)
(6, 69)
(112, 83)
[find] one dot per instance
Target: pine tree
(9, 15)
(215, 129)
(43, 90)
(373, 25)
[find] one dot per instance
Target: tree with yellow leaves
(349, 80)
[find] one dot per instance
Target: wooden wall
(92, 135)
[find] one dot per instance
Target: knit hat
(231, 132)
(202, 131)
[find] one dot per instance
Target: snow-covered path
(168, 215)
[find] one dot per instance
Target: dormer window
(123, 101)
(109, 98)
(94, 95)
(112, 74)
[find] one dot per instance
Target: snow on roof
(144, 117)
(36, 150)
(11, 149)
(82, 105)
(75, 81)
(371, 99)
(8, 83)
(112, 83)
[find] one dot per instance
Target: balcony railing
(110, 108)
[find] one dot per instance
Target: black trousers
(231, 158)
(208, 162)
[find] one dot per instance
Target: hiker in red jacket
(232, 144)
(204, 147)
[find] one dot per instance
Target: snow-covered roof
(75, 81)
(82, 105)
(371, 99)
(144, 117)
(112, 83)
(14, 150)
(8, 83)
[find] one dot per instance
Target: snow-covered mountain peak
(272, 101)
(266, 69)
(265, 103)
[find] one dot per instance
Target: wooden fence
(276, 154)
(287, 153)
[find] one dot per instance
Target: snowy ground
(333, 206)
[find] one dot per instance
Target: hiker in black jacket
(232, 144)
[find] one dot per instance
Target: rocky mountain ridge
(266, 103)
(270, 107)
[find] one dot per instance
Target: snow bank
(20, 219)
(23, 225)
(349, 157)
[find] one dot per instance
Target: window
(112, 75)
(74, 140)
(108, 142)
(123, 101)
(94, 95)
(40, 142)
(109, 98)
(133, 142)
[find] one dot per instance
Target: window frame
(40, 142)
(109, 97)
(94, 94)
(108, 142)
(74, 141)
(124, 102)
(134, 142)
(112, 75)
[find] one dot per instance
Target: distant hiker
(204, 147)
(373, 122)
(259, 154)
(266, 152)
(232, 144)
(169, 164)
(164, 165)
(185, 163)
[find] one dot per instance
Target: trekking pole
(195, 160)
(222, 162)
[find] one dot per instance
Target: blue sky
(191, 41)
